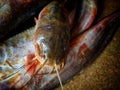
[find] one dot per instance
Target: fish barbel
(52, 34)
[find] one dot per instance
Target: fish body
(85, 16)
(13, 55)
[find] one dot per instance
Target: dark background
(104, 72)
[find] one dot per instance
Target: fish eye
(53, 9)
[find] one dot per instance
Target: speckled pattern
(104, 72)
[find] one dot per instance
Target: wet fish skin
(86, 48)
(85, 16)
(75, 63)
(15, 12)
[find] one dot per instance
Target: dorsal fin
(36, 20)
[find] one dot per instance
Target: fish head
(51, 43)
(51, 37)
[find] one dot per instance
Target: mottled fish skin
(84, 49)
(86, 17)
(15, 12)
(13, 55)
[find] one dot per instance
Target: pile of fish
(60, 44)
